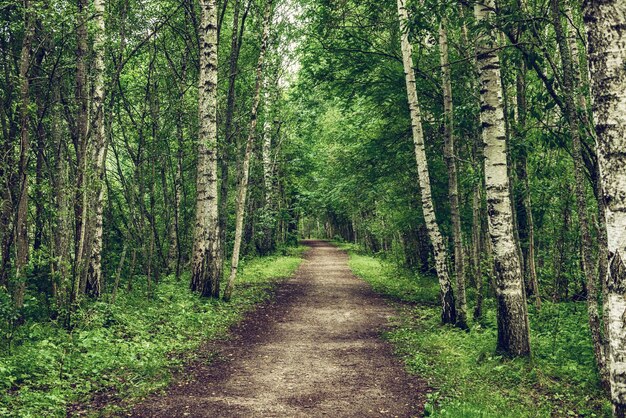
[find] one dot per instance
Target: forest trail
(315, 350)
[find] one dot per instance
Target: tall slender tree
(204, 269)
(606, 22)
(479, 213)
(525, 220)
(513, 328)
(242, 190)
(81, 151)
(448, 309)
(21, 223)
(453, 182)
(229, 131)
(94, 271)
(571, 116)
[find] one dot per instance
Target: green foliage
(466, 376)
(351, 97)
(126, 349)
(405, 287)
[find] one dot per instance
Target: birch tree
(448, 309)
(21, 223)
(204, 269)
(513, 328)
(80, 149)
(229, 131)
(606, 33)
(267, 242)
(579, 186)
(453, 188)
(525, 220)
(242, 189)
(94, 271)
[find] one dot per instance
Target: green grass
(128, 349)
(467, 378)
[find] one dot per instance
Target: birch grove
(162, 164)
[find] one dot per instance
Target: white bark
(606, 32)
(62, 225)
(570, 82)
(267, 145)
(21, 227)
(441, 257)
(266, 242)
(204, 277)
(245, 169)
(94, 272)
(82, 122)
(513, 329)
(453, 189)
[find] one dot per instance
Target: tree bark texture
(453, 188)
(21, 223)
(513, 328)
(588, 266)
(204, 270)
(97, 189)
(606, 33)
(448, 308)
(242, 189)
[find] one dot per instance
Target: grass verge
(467, 377)
(128, 349)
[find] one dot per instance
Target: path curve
(315, 350)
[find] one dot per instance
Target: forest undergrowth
(127, 349)
(466, 375)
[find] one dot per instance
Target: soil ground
(314, 350)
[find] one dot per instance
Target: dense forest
(155, 154)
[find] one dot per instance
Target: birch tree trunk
(581, 78)
(513, 329)
(21, 222)
(242, 190)
(448, 309)
(606, 33)
(477, 250)
(525, 217)
(267, 243)
(62, 236)
(453, 189)
(267, 145)
(80, 148)
(579, 187)
(205, 271)
(94, 271)
(7, 193)
(175, 250)
(229, 137)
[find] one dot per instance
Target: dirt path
(314, 351)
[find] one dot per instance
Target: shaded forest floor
(118, 353)
(468, 379)
(314, 350)
(306, 346)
